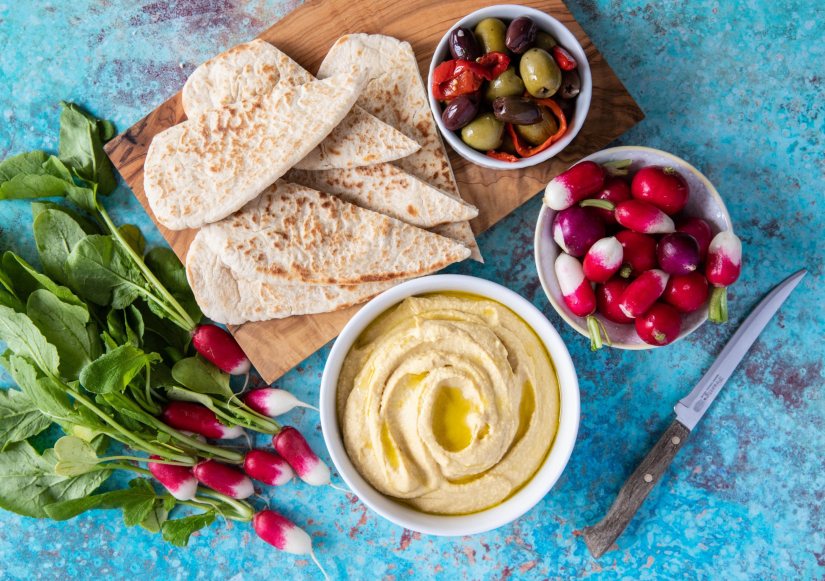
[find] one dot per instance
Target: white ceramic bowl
(704, 202)
(564, 37)
(542, 481)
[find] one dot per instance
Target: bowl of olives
(509, 87)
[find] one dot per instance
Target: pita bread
(396, 94)
(232, 300)
(254, 68)
(202, 170)
(389, 190)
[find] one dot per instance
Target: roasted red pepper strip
(456, 77)
(530, 151)
(563, 58)
(494, 64)
(502, 155)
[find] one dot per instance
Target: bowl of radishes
(635, 248)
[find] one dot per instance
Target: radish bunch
(631, 255)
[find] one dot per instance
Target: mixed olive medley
(509, 88)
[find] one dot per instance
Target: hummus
(448, 402)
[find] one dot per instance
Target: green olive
(540, 73)
(491, 33)
(483, 133)
(507, 84)
(544, 41)
(538, 133)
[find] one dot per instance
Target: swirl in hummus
(448, 402)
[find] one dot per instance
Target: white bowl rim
(541, 272)
(541, 482)
(582, 103)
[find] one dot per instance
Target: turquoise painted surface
(734, 87)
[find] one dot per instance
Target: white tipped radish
(579, 296)
(724, 264)
(193, 417)
(644, 218)
(577, 183)
(640, 294)
(283, 534)
(178, 480)
(267, 467)
(224, 479)
(603, 260)
(273, 402)
(220, 348)
(292, 446)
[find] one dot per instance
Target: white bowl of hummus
(449, 405)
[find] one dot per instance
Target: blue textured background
(734, 87)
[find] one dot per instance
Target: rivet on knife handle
(603, 534)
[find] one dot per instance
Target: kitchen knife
(689, 411)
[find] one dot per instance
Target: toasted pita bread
(396, 94)
(254, 68)
(203, 169)
(389, 190)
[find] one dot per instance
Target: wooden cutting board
(306, 34)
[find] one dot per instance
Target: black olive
(516, 110)
(463, 44)
(460, 111)
(521, 34)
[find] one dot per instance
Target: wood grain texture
(274, 347)
(601, 536)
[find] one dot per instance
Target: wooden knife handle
(603, 534)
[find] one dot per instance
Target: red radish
(563, 58)
(272, 402)
(603, 260)
(608, 296)
(643, 218)
(660, 325)
(579, 296)
(687, 292)
(267, 467)
(576, 229)
(638, 252)
(292, 446)
(194, 417)
(221, 349)
(700, 230)
(663, 187)
(224, 479)
(615, 190)
(283, 534)
(178, 480)
(640, 294)
(678, 253)
(723, 267)
(577, 183)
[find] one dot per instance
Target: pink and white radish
(273, 402)
(224, 479)
(219, 347)
(576, 229)
(615, 190)
(701, 232)
(638, 252)
(663, 187)
(643, 218)
(193, 417)
(267, 467)
(608, 296)
(660, 325)
(723, 267)
(686, 292)
(579, 296)
(178, 480)
(577, 183)
(283, 534)
(603, 260)
(640, 294)
(678, 253)
(292, 446)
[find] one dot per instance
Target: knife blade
(689, 410)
